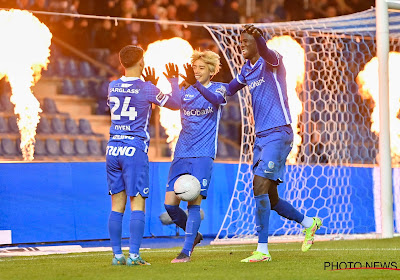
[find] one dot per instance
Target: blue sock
(177, 215)
(115, 231)
(263, 209)
(136, 227)
(285, 209)
(192, 227)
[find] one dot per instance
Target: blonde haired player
(201, 108)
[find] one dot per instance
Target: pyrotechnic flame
(369, 88)
(24, 51)
(294, 61)
(159, 53)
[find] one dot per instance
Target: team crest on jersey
(204, 182)
(271, 165)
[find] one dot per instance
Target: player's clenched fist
(252, 30)
(150, 75)
(189, 78)
(172, 71)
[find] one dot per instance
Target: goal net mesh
(332, 113)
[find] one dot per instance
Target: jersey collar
(129, 79)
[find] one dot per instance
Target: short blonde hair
(210, 58)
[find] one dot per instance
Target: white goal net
(332, 167)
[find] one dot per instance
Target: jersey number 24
(126, 110)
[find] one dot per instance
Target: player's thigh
(179, 166)
(118, 202)
(138, 203)
(135, 172)
(202, 169)
(115, 181)
(171, 198)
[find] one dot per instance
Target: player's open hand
(150, 75)
(189, 78)
(172, 71)
(252, 30)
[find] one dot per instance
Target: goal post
(332, 173)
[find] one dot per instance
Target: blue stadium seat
(12, 125)
(85, 69)
(49, 106)
(103, 145)
(52, 147)
(67, 147)
(40, 148)
(93, 87)
(3, 125)
(44, 126)
(68, 87)
(71, 127)
(9, 147)
(60, 67)
(85, 127)
(223, 130)
(81, 148)
(222, 150)
(58, 126)
(94, 148)
(81, 88)
(71, 68)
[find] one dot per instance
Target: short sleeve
(155, 95)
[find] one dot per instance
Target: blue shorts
(127, 169)
(200, 167)
(270, 152)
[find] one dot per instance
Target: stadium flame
(294, 61)
(369, 88)
(158, 54)
(24, 52)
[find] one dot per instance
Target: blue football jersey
(200, 122)
(130, 102)
(267, 85)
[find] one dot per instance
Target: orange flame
(369, 88)
(24, 51)
(294, 61)
(158, 54)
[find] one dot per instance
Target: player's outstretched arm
(150, 75)
(269, 55)
(172, 74)
(234, 86)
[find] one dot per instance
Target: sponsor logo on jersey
(122, 137)
(198, 112)
(125, 90)
(122, 127)
(256, 83)
(120, 151)
(188, 97)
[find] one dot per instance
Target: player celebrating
(265, 75)
(130, 100)
(195, 151)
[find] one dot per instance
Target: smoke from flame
(369, 88)
(293, 59)
(24, 51)
(158, 54)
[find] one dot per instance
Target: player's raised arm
(269, 55)
(172, 74)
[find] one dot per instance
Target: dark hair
(130, 55)
(245, 31)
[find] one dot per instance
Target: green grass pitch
(219, 262)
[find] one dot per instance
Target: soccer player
(130, 100)
(201, 106)
(265, 75)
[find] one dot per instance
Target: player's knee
(273, 197)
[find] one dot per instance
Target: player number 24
(126, 110)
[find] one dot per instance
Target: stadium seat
(49, 106)
(85, 127)
(18, 144)
(103, 145)
(223, 130)
(68, 87)
(58, 126)
(81, 148)
(93, 87)
(6, 104)
(71, 68)
(3, 125)
(67, 147)
(222, 150)
(85, 69)
(9, 147)
(44, 126)
(94, 148)
(12, 125)
(81, 88)
(52, 147)
(234, 112)
(40, 148)
(60, 67)
(71, 127)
